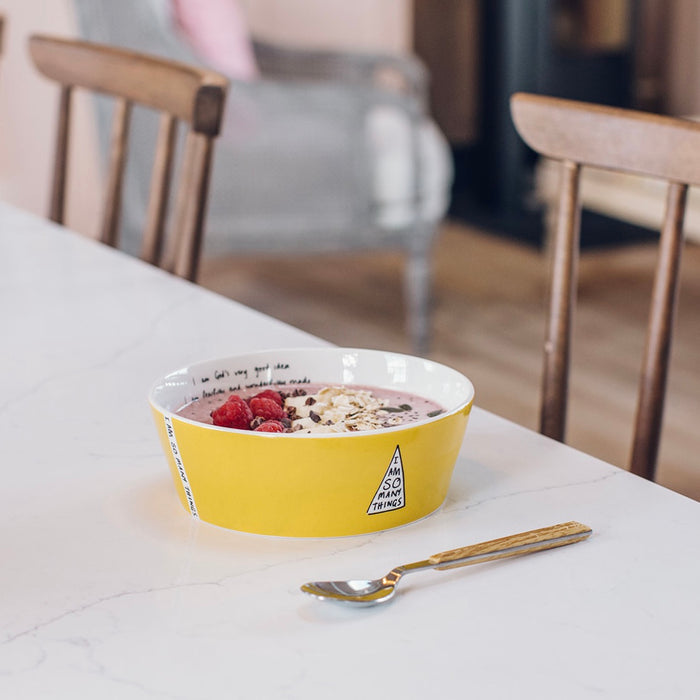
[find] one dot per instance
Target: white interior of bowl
(332, 366)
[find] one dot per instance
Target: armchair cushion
(411, 168)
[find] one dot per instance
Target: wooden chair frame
(580, 134)
(181, 93)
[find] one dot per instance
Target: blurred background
(490, 261)
(631, 53)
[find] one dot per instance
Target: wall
(360, 24)
(28, 110)
(449, 43)
(682, 94)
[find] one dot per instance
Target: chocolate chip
(314, 417)
(310, 401)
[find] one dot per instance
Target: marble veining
(109, 589)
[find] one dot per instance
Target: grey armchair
(327, 151)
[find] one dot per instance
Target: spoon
(362, 592)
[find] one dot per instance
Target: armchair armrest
(401, 73)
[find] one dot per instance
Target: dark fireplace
(578, 49)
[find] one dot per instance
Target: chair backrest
(581, 134)
(181, 94)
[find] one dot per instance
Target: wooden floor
(488, 322)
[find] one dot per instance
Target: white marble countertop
(108, 589)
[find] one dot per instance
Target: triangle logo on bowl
(391, 494)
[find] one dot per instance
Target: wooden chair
(579, 134)
(180, 93)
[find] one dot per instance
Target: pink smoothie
(399, 407)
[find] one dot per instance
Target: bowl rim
(467, 402)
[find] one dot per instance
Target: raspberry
(234, 413)
(270, 394)
(271, 426)
(266, 408)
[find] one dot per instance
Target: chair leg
(417, 292)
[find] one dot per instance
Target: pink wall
(28, 106)
(361, 24)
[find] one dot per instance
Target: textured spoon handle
(513, 545)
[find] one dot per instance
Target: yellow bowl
(313, 485)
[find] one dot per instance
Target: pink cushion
(217, 31)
